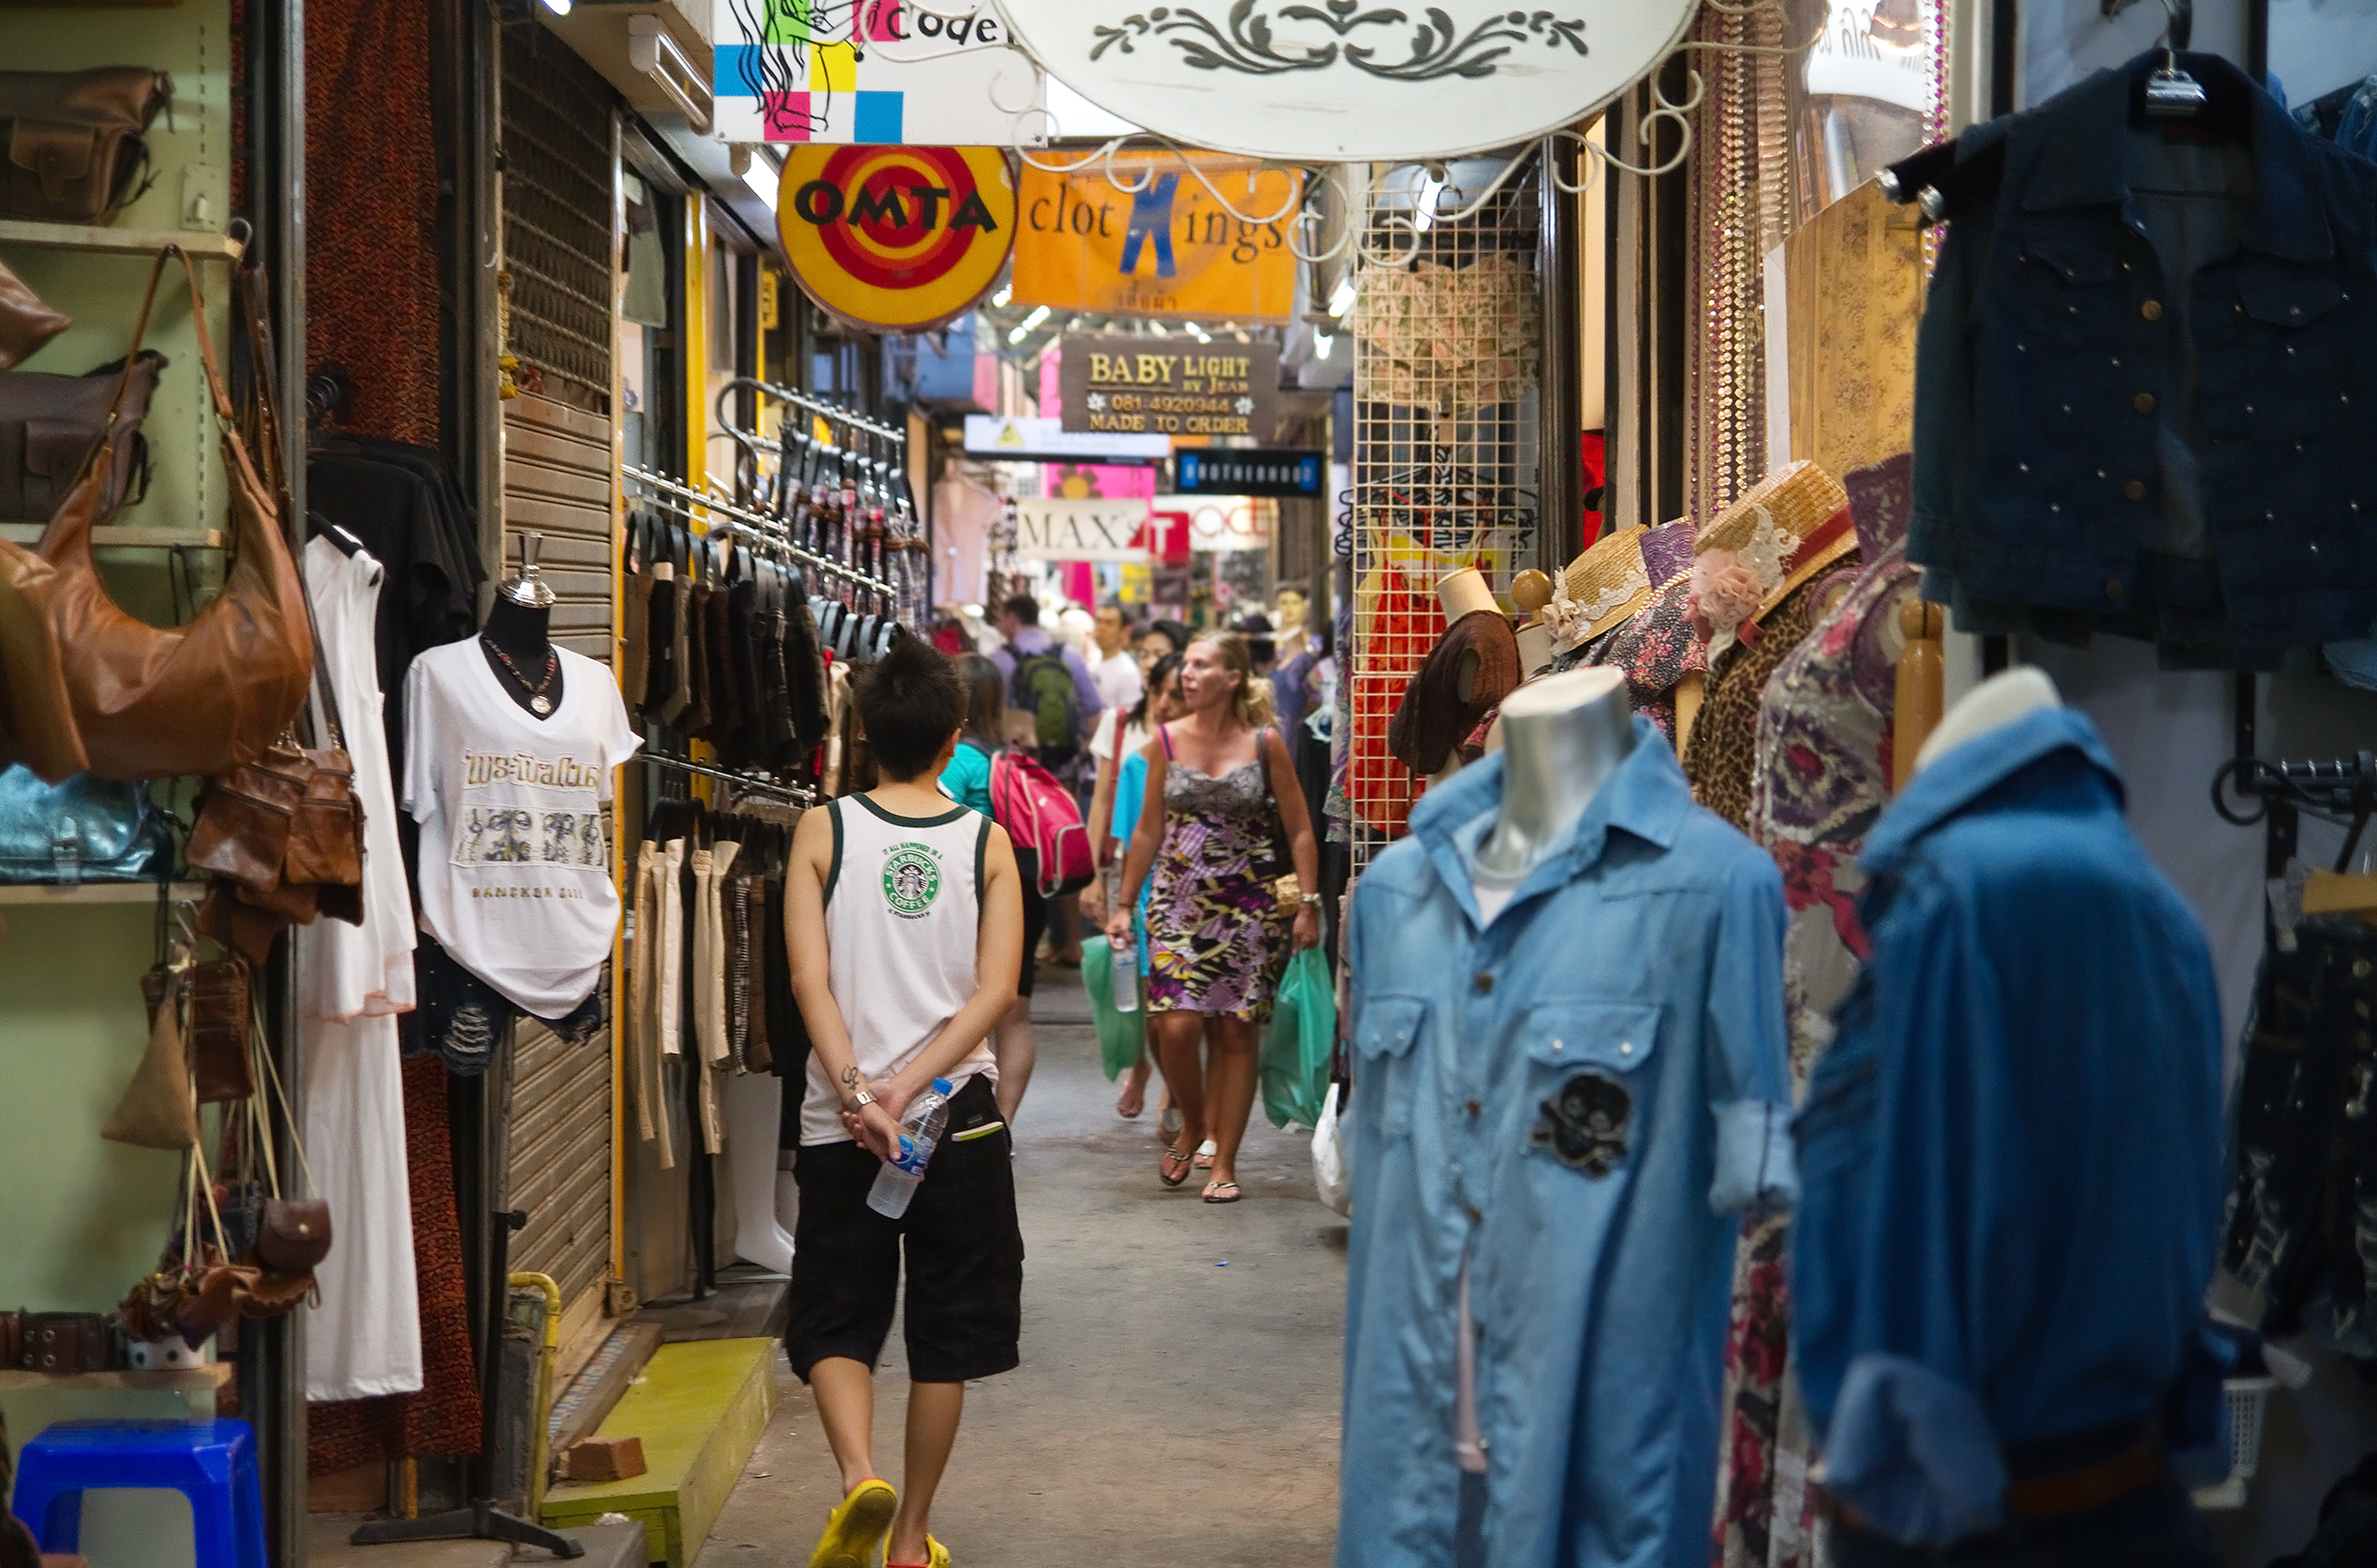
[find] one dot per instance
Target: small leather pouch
(25, 323)
(292, 902)
(156, 1110)
(218, 1031)
(294, 1234)
(325, 836)
(242, 927)
(66, 1342)
(247, 817)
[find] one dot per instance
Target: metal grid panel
(558, 215)
(1447, 360)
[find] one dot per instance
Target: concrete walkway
(1170, 1410)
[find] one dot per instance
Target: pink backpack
(1041, 815)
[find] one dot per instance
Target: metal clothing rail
(831, 412)
(756, 784)
(2342, 792)
(753, 523)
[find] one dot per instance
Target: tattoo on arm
(850, 1076)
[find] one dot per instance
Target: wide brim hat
(1601, 589)
(1787, 528)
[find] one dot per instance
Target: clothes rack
(742, 521)
(756, 784)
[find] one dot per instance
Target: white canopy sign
(1080, 529)
(1350, 79)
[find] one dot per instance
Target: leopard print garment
(1722, 751)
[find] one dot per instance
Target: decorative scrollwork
(1245, 41)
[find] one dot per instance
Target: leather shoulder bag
(49, 423)
(196, 699)
(75, 153)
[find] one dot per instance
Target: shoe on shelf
(855, 1531)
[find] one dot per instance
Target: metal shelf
(107, 536)
(194, 1380)
(119, 241)
(45, 893)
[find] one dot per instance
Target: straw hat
(1600, 589)
(1783, 531)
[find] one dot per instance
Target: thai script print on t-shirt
(503, 821)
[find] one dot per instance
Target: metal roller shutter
(558, 474)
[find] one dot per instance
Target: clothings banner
(871, 71)
(1168, 248)
(1088, 530)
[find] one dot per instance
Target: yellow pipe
(541, 1410)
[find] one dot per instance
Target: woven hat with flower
(1783, 531)
(1600, 588)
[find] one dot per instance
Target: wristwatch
(1308, 898)
(859, 1102)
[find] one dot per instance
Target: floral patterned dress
(1822, 777)
(1216, 940)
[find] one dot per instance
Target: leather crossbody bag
(25, 323)
(75, 153)
(84, 830)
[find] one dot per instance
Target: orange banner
(1166, 249)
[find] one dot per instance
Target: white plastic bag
(1330, 1174)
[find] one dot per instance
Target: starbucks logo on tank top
(912, 880)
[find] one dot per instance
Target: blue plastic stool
(211, 1463)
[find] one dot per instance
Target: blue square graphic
(877, 118)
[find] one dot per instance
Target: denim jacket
(2011, 1152)
(2104, 444)
(1579, 1099)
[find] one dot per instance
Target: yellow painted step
(699, 1410)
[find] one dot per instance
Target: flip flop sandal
(1214, 1191)
(1204, 1155)
(1164, 1168)
(855, 1531)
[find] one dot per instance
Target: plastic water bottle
(1126, 975)
(927, 1118)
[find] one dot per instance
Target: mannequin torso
(1994, 704)
(522, 634)
(1563, 737)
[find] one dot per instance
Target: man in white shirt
(1116, 672)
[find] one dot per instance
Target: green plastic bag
(1121, 1035)
(1296, 1049)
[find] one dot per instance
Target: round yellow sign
(897, 239)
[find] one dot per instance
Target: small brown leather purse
(214, 1033)
(201, 698)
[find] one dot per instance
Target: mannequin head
(1290, 605)
(1563, 737)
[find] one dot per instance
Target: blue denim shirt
(1581, 1098)
(2144, 413)
(2011, 1154)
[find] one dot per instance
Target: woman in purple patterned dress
(1221, 795)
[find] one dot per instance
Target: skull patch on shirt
(1585, 1124)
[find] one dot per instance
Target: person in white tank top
(903, 918)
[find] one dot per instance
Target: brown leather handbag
(49, 423)
(25, 323)
(247, 817)
(201, 698)
(75, 153)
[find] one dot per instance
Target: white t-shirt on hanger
(514, 872)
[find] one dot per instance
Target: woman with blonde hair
(1222, 799)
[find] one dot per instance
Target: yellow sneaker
(853, 1532)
